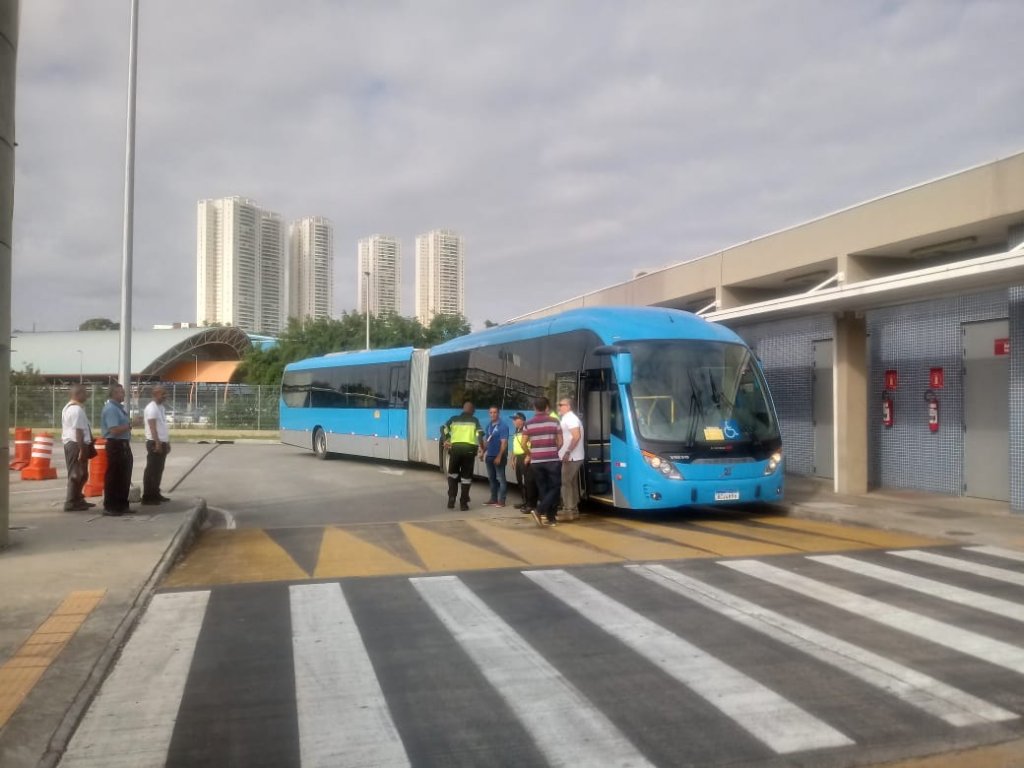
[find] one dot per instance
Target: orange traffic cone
(22, 448)
(39, 467)
(97, 469)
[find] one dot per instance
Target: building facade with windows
(379, 276)
(311, 268)
(240, 276)
(440, 275)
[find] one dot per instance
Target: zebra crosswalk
(793, 659)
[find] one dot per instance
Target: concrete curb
(180, 544)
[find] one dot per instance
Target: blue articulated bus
(676, 411)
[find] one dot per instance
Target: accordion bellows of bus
(676, 411)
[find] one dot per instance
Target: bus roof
(342, 359)
(611, 324)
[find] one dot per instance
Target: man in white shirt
(78, 448)
(158, 445)
(572, 454)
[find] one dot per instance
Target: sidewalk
(108, 565)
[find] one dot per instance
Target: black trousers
(460, 473)
(154, 473)
(78, 474)
(118, 479)
(549, 484)
(527, 483)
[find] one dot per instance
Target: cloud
(568, 142)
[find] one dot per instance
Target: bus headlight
(665, 467)
(773, 462)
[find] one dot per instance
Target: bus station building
(890, 333)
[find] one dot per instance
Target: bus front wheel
(320, 443)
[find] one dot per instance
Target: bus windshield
(699, 393)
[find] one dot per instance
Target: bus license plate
(727, 496)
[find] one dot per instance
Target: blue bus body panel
(341, 359)
(611, 324)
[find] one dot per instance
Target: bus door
(398, 413)
(595, 396)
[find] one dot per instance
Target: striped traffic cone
(39, 467)
(22, 448)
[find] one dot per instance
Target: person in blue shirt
(495, 453)
(117, 430)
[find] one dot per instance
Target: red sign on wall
(1002, 346)
(935, 378)
(892, 379)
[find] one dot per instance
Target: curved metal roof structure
(155, 354)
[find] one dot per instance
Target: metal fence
(188, 406)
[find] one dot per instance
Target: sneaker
(536, 517)
(525, 510)
(492, 503)
(150, 502)
(451, 503)
(464, 507)
(164, 498)
(77, 506)
(498, 504)
(550, 523)
(113, 512)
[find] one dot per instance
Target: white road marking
(566, 727)
(131, 721)
(964, 566)
(939, 632)
(1007, 554)
(343, 716)
(1005, 608)
(389, 471)
(910, 686)
(767, 716)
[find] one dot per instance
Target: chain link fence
(188, 406)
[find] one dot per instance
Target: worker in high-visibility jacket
(521, 463)
(463, 437)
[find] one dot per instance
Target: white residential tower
(379, 280)
(311, 268)
(440, 275)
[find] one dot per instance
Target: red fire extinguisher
(933, 410)
(888, 409)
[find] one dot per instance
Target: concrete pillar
(1015, 235)
(9, 13)
(850, 390)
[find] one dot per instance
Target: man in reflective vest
(463, 437)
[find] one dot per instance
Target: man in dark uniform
(463, 437)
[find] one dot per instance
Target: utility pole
(366, 305)
(8, 66)
(129, 209)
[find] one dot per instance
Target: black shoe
(451, 503)
(163, 498)
(150, 502)
(77, 506)
(88, 504)
(113, 512)
(464, 507)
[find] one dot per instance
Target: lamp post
(195, 382)
(81, 364)
(366, 304)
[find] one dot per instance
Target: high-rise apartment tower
(311, 268)
(440, 275)
(239, 265)
(379, 281)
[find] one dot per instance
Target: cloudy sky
(569, 141)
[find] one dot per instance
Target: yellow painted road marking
(238, 556)
(541, 548)
(22, 671)
(806, 542)
(343, 554)
(443, 553)
(872, 536)
(625, 545)
(724, 546)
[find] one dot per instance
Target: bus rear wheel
(320, 443)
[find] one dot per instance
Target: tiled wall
(786, 350)
(911, 339)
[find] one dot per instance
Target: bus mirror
(622, 362)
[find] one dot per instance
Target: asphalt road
(351, 620)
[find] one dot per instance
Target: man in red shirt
(545, 436)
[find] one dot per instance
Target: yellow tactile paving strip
(21, 672)
(251, 555)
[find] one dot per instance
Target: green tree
(443, 328)
(99, 324)
(27, 377)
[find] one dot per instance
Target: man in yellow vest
(463, 437)
(521, 464)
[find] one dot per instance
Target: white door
(986, 410)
